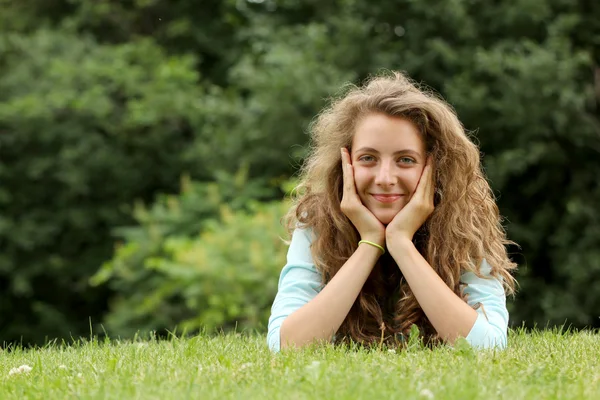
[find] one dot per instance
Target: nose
(385, 175)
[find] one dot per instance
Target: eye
(407, 160)
(366, 158)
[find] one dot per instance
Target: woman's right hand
(367, 225)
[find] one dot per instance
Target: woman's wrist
(373, 244)
(398, 244)
(379, 240)
(397, 237)
(369, 250)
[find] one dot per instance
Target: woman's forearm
(320, 318)
(450, 315)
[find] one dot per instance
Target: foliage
(222, 278)
(86, 130)
(552, 164)
(103, 104)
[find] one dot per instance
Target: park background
(147, 148)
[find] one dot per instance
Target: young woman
(394, 224)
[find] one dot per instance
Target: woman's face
(388, 157)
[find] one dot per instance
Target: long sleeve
(490, 328)
(299, 283)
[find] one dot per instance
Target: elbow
(278, 339)
(290, 337)
(285, 340)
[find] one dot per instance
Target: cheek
(412, 179)
(361, 179)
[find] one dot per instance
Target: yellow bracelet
(373, 244)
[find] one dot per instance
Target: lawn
(538, 365)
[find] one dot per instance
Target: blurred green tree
(207, 258)
(85, 129)
(112, 101)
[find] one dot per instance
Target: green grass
(539, 365)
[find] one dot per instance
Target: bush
(85, 129)
(224, 277)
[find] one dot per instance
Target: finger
(349, 173)
(421, 183)
(346, 173)
(430, 180)
(343, 161)
(351, 184)
(423, 188)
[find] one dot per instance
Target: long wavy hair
(464, 228)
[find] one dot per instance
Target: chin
(385, 218)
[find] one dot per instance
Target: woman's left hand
(417, 210)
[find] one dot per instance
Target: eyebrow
(405, 151)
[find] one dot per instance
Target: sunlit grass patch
(539, 365)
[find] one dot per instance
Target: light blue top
(300, 282)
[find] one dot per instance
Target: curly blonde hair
(464, 228)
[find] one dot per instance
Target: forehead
(387, 134)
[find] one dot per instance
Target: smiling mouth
(387, 198)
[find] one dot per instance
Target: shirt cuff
(274, 339)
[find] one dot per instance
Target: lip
(386, 198)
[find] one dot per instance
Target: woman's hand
(368, 226)
(417, 210)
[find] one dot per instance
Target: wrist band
(373, 244)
